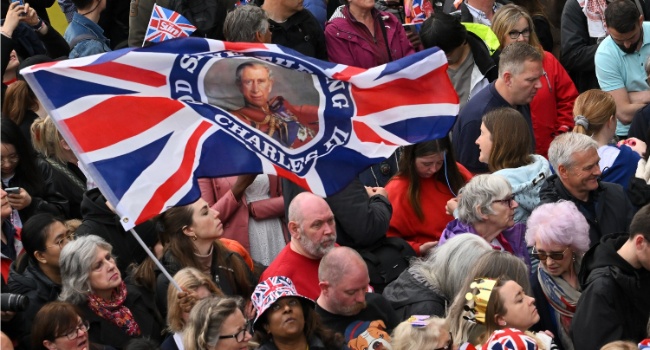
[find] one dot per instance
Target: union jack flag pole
(155, 260)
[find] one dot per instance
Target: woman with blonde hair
(67, 177)
(551, 107)
(196, 286)
(595, 116)
(217, 324)
(422, 332)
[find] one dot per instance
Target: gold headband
(478, 299)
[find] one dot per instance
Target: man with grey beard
(313, 234)
(344, 296)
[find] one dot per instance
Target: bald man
(344, 298)
(313, 234)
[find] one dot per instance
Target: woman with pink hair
(559, 235)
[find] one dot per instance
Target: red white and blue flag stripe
(166, 24)
(510, 339)
(140, 122)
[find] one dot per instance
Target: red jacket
(347, 40)
(433, 199)
(552, 107)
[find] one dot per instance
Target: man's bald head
(338, 263)
(311, 225)
(343, 278)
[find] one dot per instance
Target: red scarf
(114, 311)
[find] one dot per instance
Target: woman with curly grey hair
(117, 312)
(559, 235)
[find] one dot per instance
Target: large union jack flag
(166, 24)
(146, 123)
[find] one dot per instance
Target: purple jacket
(514, 235)
(347, 40)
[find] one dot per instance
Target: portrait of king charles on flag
(264, 99)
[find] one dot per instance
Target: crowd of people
(526, 227)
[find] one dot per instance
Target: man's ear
(324, 287)
(293, 229)
(562, 171)
(507, 77)
(259, 37)
(639, 242)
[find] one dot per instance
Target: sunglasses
(544, 255)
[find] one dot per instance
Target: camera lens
(13, 302)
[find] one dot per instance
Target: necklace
(206, 255)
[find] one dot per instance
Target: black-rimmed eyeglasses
(514, 34)
(239, 336)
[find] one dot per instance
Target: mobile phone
(22, 2)
(12, 190)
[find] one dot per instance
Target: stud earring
(194, 238)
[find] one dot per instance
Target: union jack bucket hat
(271, 290)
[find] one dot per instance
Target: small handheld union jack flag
(166, 24)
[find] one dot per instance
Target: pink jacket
(347, 44)
(234, 215)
